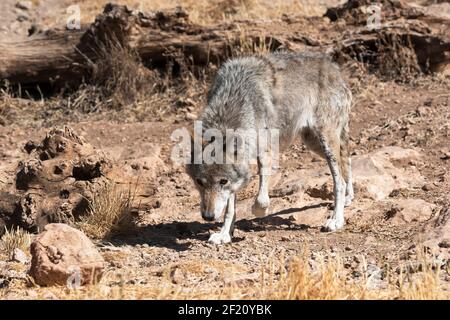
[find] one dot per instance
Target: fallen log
(63, 58)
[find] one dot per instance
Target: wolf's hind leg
(346, 166)
(331, 150)
(261, 206)
(227, 230)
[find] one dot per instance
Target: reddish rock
(61, 254)
(378, 173)
(411, 210)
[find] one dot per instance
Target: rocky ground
(400, 142)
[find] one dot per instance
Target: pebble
(19, 256)
(190, 116)
(24, 5)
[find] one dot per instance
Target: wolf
(298, 94)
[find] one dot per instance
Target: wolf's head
(216, 183)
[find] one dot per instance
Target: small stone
(24, 5)
(176, 275)
(19, 256)
(209, 270)
(135, 166)
(22, 17)
(444, 243)
(190, 116)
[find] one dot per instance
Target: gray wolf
(298, 94)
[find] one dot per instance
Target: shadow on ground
(173, 234)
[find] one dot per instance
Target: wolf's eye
(199, 182)
(223, 181)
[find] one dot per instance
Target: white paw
(333, 224)
(348, 200)
(219, 238)
(260, 209)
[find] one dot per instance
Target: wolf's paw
(260, 209)
(219, 238)
(348, 200)
(333, 224)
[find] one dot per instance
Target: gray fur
(300, 94)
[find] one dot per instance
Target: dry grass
(14, 239)
(247, 45)
(298, 279)
(122, 77)
(109, 212)
(207, 12)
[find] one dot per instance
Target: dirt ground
(168, 248)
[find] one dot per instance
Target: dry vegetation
(304, 277)
(14, 239)
(207, 12)
(109, 213)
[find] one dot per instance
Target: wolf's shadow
(172, 235)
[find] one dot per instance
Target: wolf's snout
(208, 216)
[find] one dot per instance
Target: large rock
(58, 178)
(377, 174)
(410, 210)
(62, 255)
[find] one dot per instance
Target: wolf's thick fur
(300, 94)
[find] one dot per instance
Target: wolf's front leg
(261, 206)
(226, 232)
(331, 152)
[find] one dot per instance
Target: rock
(190, 116)
(24, 5)
(437, 234)
(19, 256)
(176, 275)
(377, 174)
(22, 17)
(324, 192)
(410, 210)
(62, 255)
(58, 178)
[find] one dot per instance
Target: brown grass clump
(122, 78)
(14, 239)
(109, 213)
(247, 45)
(326, 283)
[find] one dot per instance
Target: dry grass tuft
(15, 239)
(122, 77)
(247, 45)
(327, 282)
(109, 213)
